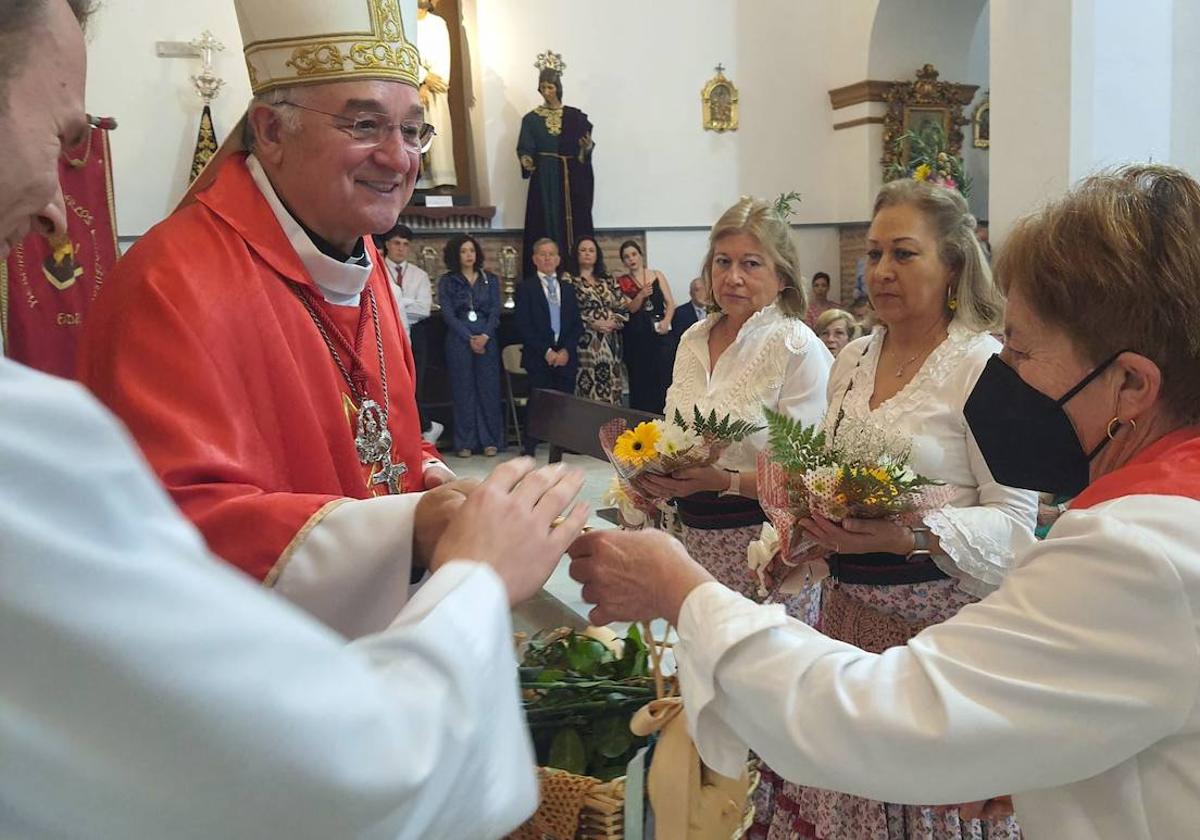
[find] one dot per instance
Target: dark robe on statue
(556, 156)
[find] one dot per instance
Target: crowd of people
(583, 330)
(244, 598)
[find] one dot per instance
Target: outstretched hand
(634, 575)
(508, 522)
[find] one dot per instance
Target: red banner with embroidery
(48, 283)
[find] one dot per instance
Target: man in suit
(548, 322)
(687, 314)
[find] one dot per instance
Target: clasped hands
(479, 343)
(557, 358)
(859, 536)
(681, 483)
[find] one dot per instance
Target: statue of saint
(433, 43)
(555, 152)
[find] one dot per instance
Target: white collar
(340, 283)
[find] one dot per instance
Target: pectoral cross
(390, 474)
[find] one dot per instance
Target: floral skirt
(785, 811)
(722, 552)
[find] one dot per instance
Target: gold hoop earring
(1113, 425)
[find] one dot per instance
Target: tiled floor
(560, 602)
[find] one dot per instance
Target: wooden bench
(572, 424)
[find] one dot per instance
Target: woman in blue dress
(470, 301)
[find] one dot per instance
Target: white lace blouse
(985, 523)
(775, 361)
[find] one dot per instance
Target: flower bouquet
(929, 159)
(860, 473)
(662, 447)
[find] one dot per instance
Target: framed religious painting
(912, 106)
(981, 124)
(719, 103)
(918, 117)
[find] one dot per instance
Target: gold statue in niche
(719, 103)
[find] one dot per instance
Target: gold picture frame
(913, 104)
(981, 124)
(719, 103)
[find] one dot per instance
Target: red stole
(1168, 467)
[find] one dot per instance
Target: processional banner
(47, 284)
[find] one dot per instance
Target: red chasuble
(200, 345)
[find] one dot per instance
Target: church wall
(656, 168)
(153, 100)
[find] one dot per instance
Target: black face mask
(1025, 436)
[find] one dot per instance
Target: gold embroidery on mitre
(381, 52)
(320, 58)
(370, 56)
(387, 20)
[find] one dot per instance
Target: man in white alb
(151, 690)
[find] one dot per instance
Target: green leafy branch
(783, 204)
(794, 446)
(712, 428)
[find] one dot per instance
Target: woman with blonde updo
(755, 351)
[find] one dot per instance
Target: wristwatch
(735, 484)
(920, 544)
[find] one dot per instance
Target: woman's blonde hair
(1115, 264)
(759, 219)
(980, 305)
(831, 316)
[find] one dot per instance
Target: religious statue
(433, 42)
(555, 152)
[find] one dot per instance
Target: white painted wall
(936, 32)
(629, 70)
(1031, 107)
(975, 161)
(1092, 85)
(156, 107)
(1122, 86)
(1185, 82)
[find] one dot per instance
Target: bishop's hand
(509, 523)
(436, 510)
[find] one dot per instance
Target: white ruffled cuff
(978, 560)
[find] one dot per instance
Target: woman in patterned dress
(933, 291)
(755, 352)
(601, 373)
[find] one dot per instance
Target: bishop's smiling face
(340, 188)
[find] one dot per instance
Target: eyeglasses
(370, 129)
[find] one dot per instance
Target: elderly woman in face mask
(1074, 686)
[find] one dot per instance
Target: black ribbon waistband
(709, 512)
(881, 569)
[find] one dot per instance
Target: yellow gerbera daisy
(922, 172)
(638, 446)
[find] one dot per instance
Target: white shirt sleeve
(1062, 673)
(417, 294)
(803, 395)
(153, 691)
